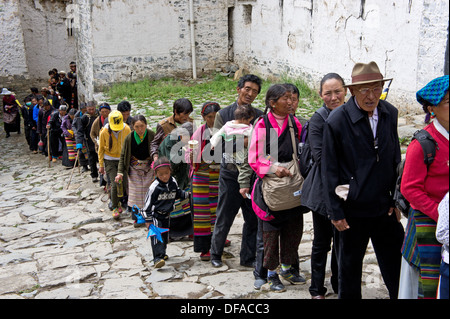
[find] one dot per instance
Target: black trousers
(55, 140)
(323, 235)
(93, 160)
(386, 234)
(34, 140)
(159, 248)
(229, 202)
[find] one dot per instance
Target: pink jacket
(260, 162)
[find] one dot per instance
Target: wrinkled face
(140, 127)
(209, 119)
(248, 93)
(367, 95)
(163, 173)
(283, 106)
(441, 111)
(333, 93)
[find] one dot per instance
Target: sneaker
(227, 243)
(84, 169)
(116, 213)
(259, 282)
(205, 256)
(159, 263)
(275, 284)
(292, 276)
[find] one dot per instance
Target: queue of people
(185, 181)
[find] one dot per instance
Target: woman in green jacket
(135, 163)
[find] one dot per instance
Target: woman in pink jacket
(282, 231)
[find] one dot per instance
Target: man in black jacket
(230, 195)
(359, 159)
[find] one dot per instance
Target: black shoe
(275, 284)
(84, 169)
(7, 135)
(216, 263)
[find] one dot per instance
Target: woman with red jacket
(424, 187)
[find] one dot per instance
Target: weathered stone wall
(12, 47)
(302, 38)
(139, 39)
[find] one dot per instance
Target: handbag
(282, 193)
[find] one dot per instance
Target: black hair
(293, 88)
(250, 78)
(34, 90)
(124, 106)
(209, 107)
(274, 93)
(330, 76)
(139, 117)
(244, 112)
(182, 105)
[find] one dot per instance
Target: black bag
(429, 146)
(304, 149)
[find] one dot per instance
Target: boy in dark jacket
(159, 203)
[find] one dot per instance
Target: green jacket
(125, 155)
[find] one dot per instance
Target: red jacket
(424, 189)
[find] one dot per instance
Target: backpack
(304, 149)
(429, 146)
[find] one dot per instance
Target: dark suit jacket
(349, 156)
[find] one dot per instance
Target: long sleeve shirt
(425, 187)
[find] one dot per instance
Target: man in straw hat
(360, 154)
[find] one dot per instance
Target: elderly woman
(332, 92)
(136, 164)
(424, 187)
(282, 232)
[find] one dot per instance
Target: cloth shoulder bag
(284, 193)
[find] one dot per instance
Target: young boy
(159, 203)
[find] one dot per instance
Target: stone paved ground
(58, 243)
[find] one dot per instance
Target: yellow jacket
(103, 148)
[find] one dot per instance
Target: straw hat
(366, 73)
